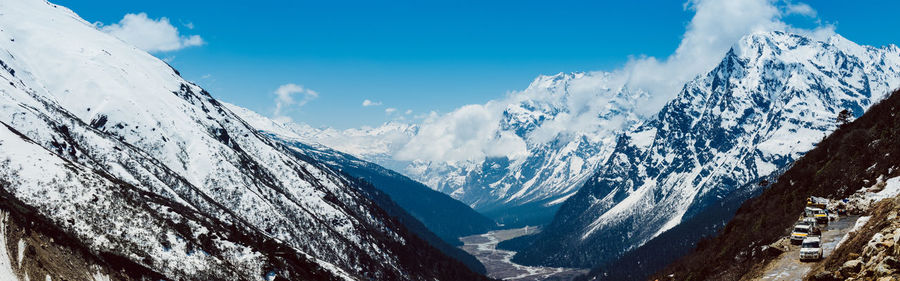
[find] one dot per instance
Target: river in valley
(497, 261)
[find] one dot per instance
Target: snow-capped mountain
(771, 99)
(567, 123)
(552, 136)
(856, 162)
(138, 165)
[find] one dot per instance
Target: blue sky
(426, 55)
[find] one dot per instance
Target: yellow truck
(817, 202)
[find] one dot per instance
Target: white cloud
(151, 35)
(408, 112)
(715, 27)
(468, 133)
(472, 132)
(367, 103)
(390, 110)
(800, 9)
(285, 100)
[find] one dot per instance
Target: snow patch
(6, 271)
(643, 139)
(891, 189)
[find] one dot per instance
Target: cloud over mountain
(151, 35)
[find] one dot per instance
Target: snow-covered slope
(433, 216)
(772, 98)
(114, 147)
(851, 163)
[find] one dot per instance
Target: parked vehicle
(817, 202)
(821, 216)
(814, 228)
(801, 231)
(811, 249)
(809, 212)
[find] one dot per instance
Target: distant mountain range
(567, 123)
(626, 178)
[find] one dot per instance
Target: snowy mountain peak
(567, 123)
(772, 98)
(556, 81)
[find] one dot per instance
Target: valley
(497, 261)
(116, 166)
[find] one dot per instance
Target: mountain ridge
(117, 150)
(772, 97)
(857, 156)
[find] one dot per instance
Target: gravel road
(788, 265)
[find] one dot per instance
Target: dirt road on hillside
(789, 267)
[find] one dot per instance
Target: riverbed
(498, 264)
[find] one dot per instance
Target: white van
(814, 228)
(811, 249)
(801, 232)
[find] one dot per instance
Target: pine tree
(843, 117)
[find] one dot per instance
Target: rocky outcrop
(33, 248)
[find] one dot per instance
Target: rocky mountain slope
(771, 99)
(431, 215)
(854, 157)
(141, 169)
